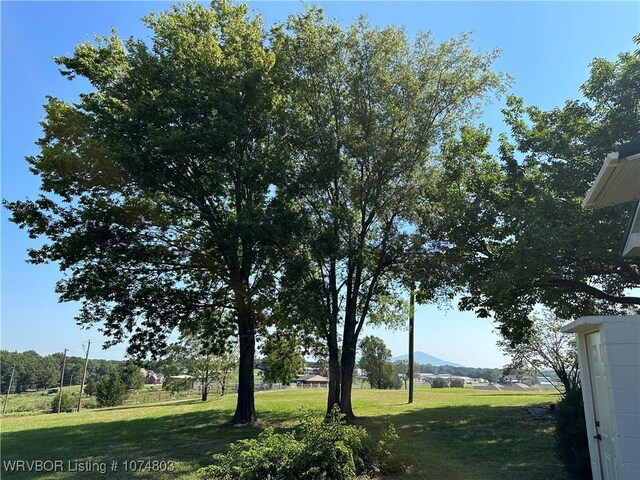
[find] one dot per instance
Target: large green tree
(512, 229)
(364, 110)
(157, 183)
(131, 376)
(283, 358)
(547, 347)
(375, 359)
(196, 356)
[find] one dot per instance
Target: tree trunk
(333, 397)
(411, 335)
(245, 406)
(348, 365)
(334, 370)
(205, 392)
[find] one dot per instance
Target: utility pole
(64, 362)
(84, 373)
(4, 407)
(412, 301)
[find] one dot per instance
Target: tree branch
(566, 284)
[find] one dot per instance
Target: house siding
(621, 355)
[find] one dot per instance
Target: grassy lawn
(40, 402)
(445, 434)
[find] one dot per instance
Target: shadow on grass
(189, 438)
(454, 442)
(165, 403)
(473, 442)
(501, 394)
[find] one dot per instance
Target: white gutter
(617, 182)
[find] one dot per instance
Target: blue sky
(546, 48)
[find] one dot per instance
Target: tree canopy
(547, 347)
(513, 233)
(157, 184)
(364, 111)
(283, 358)
(194, 355)
(217, 176)
(375, 361)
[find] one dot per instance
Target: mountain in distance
(424, 358)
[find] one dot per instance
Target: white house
(609, 347)
(609, 358)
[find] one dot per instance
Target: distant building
(520, 387)
(429, 377)
(151, 377)
(312, 380)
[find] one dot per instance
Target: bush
(320, 450)
(132, 376)
(572, 446)
(179, 385)
(111, 390)
(457, 382)
(90, 387)
(89, 403)
(68, 404)
(439, 383)
(390, 379)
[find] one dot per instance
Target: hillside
(424, 358)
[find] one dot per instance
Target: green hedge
(572, 445)
(320, 450)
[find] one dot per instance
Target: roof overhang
(631, 243)
(617, 182)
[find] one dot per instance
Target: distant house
(429, 377)
(312, 380)
(510, 379)
(151, 377)
(544, 382)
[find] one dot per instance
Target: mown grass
(40, 402)
(445, 434)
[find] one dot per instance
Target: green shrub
(131, 376)
(439, 383)
(179, 385)
(111, 390)
(322, 449)
(457, 382)
(572, 445)
(90, 387)
(89, 403)
(68, 404)
(390, 379)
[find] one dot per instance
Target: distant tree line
(490, 374)
(37, 372)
